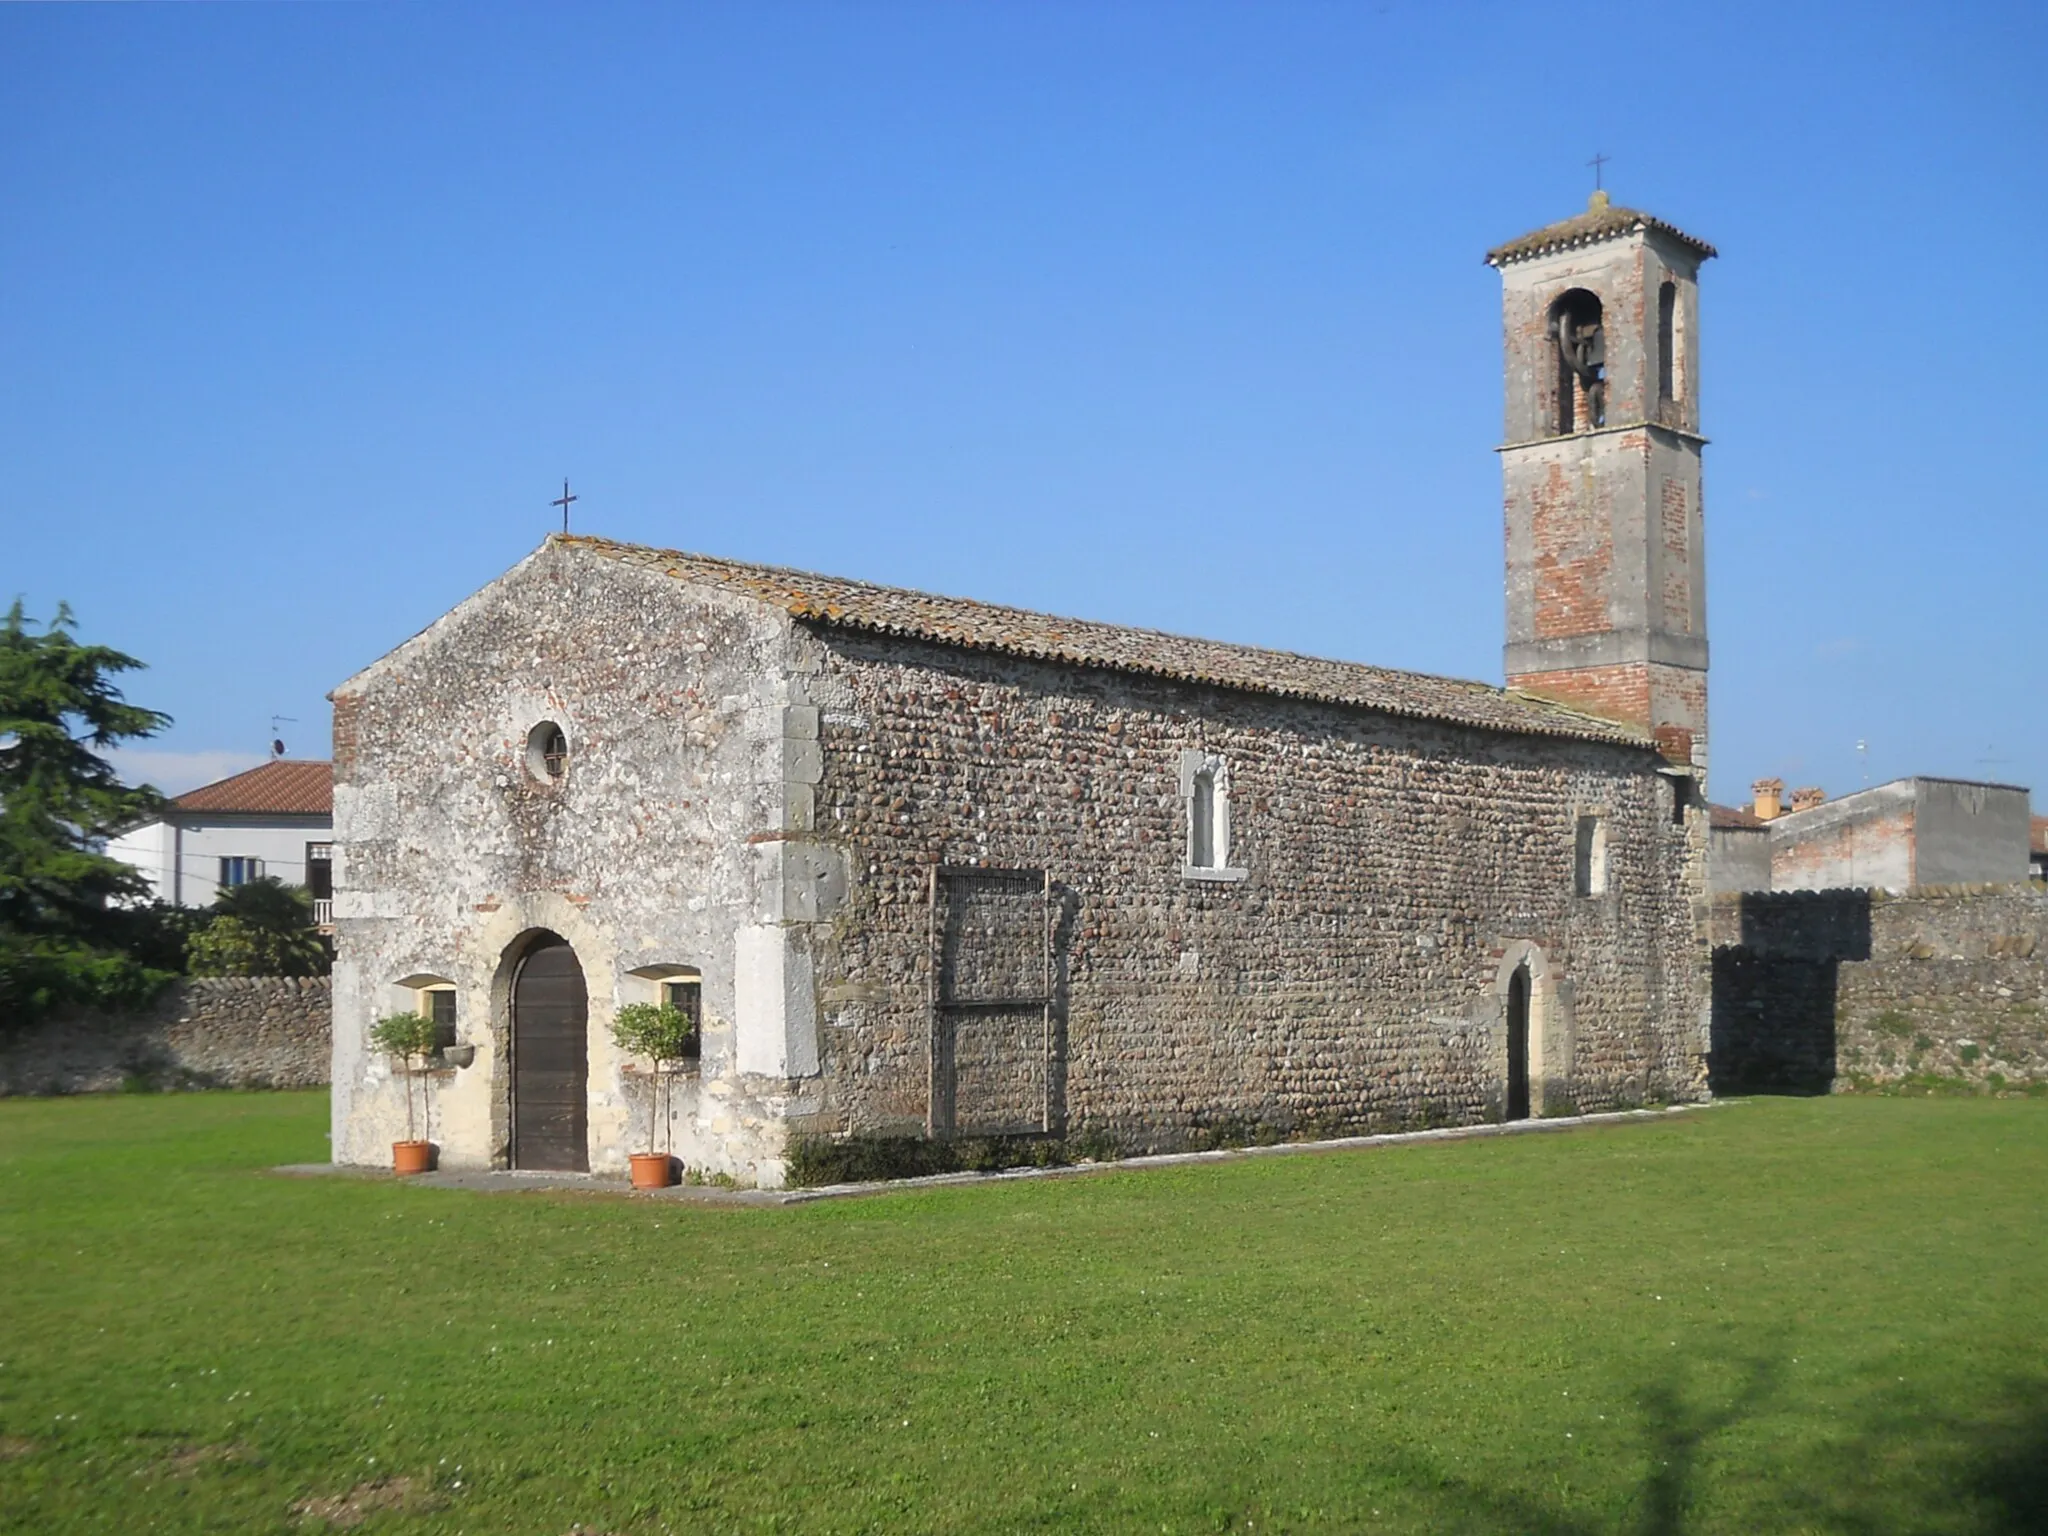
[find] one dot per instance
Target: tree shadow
(1907, 1465)
(1677, 1431)
(1984, 1471)
(1677, 1426)
(2011, 1474)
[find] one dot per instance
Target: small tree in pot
(662, 1033)
(410, 1038)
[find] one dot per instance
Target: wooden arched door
(550, 1059)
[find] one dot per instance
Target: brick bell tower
(1606, 560)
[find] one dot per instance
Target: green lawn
(1785, 1315)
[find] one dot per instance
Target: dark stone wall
(1825, 990)
(212, 1032)
(1352, 978)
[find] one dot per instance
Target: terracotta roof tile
(833, 600)
(281, 788)
(1600, 221)
(1733, 816)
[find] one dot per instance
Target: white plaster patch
(775, 1003)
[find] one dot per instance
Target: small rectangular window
(687, 998)
(441, 1006)
(1681, 798)
(1589, 857)
(240, 871)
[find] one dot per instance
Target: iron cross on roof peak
(1598, 163)
(563, 502)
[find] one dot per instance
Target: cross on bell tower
(1606, 559)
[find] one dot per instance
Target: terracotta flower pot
(411, 1156)
(653, 1170)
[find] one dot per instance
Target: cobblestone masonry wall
(1841, 989)
(1394, 871)
(213, 1032)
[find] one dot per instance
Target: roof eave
(1594, 729)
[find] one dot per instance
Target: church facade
(925, 866)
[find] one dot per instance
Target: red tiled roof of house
(281, 788)
(1733, 816)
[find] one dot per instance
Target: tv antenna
(277, 735)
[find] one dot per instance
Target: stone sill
(1221, 876)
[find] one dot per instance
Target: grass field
(1823, 1315)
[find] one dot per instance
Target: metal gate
(991, 1001)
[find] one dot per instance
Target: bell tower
(1606, 563)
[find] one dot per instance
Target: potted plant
(410, 1038)
(662, 1033)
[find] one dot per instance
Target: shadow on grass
(1916, 1465)
(1908, 1466)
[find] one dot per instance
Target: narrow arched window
(1667, 342)
(1589, 857)
(1205, 802)
(1202, 821)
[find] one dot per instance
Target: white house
(274, 820)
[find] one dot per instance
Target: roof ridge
(1067, 618)
(972, 624)
(1600, 221)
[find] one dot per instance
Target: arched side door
(550, 1060)
(1518, 1045)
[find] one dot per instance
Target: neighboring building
(1899, 837)
(1902, 836)
(935, 867)
(2037, 848)
(274, 820)
(1739, 850)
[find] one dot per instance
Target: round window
(547, 751)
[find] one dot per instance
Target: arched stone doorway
(550, 1058)
(1533, 1041)
(1517, 1107)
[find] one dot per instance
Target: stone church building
(936, 867)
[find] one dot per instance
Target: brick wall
(1870, 851)
(1620, 692)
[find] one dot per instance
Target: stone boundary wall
(209, 1032)
(1829, 990)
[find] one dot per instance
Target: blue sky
(1169, 314)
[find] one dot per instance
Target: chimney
(1769, 799)
(1806, 799)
